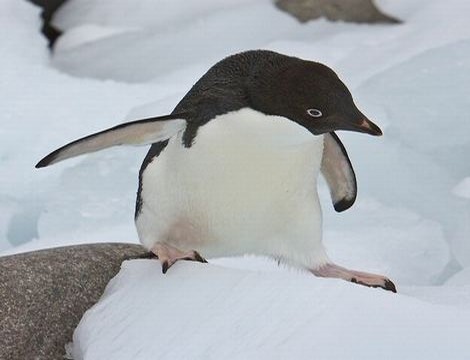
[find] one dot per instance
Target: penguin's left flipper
(139, 132)
(338, 173)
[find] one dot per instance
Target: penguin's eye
(314, 113)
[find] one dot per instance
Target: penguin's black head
(309, 93)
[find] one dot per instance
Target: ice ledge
(207, 311)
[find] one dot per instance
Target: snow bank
(41, 110)
(461, 278)
(169, 36)
(424, 100)
(463, 188)
(203, 311)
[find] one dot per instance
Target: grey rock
(43, 295)
(359, 11)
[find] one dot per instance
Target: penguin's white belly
(248, 184)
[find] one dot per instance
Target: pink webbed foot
(358, 277)
(168, 255)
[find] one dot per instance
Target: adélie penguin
(233, 169)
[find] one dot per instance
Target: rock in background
(359, 11)
(49, 8)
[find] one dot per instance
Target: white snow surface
(120, 60)
(463, 188)
(221, 313)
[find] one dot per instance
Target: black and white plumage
(234, 168)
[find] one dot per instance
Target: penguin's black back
(226, 86)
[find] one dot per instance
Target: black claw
(390, 286)
(199, 258)
(165, 267)
(148, 255)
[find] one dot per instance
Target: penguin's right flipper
(139, 132)
(338, 172)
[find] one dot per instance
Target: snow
(461, 278)
(463, 188)
(261, 315)
(178, 43)
(122, 60)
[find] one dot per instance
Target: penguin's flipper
(139, 132)
(338, 172)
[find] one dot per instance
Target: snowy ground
(411, 220)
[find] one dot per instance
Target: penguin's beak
(357, 123)
(364, 125)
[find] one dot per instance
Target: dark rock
(43, 295)
(359, 11)
(49, 7)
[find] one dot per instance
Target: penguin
(234, 168)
